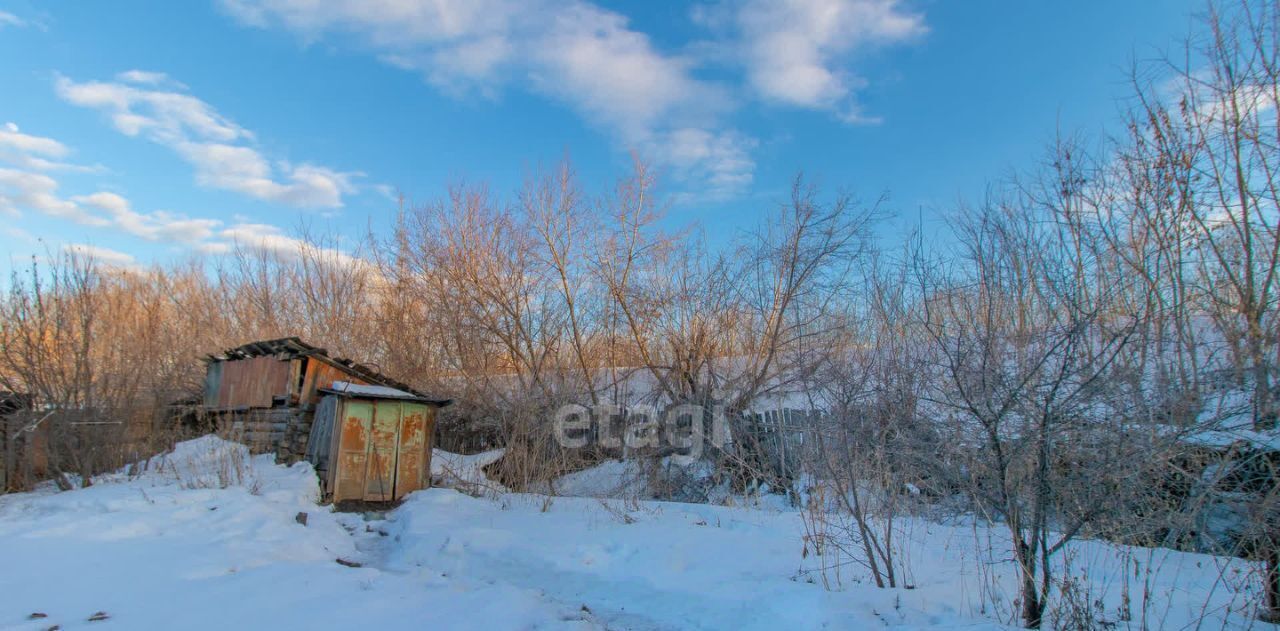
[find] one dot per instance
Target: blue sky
(149, 130)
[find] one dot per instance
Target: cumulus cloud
(220, 150)
(799, 52)
(591, 58)
(575, 52)
(795, 48)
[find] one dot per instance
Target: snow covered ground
(207, 538)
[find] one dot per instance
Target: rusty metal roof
(294, 347)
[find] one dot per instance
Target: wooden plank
(384, 440)
(307, 394)
(252, 382)
(317, 448)
(353, 450)
(212, 383)
(412, 457)
(294, 386)
(322, 375)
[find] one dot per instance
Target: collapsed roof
(294, 347)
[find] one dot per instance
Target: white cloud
(98, 254)
(203, 235)
(15, 232)
(453, 42)
(36, 191)
(721, 160)
(215, 248)
(24, 188)
(27, 190)
(591, 59)
(33, 153)
(166, 117)
(109, 202)
(575, 52)
(244, 170)
(213, 144)
(156, 226)
(145, 77)
(9, 19)
(797, 52)
(13, 138)
(388, 191)
(259, 237)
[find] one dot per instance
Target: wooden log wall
(283, 431)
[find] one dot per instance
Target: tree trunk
(1265, 414)
(1031, 606)
(1271, 605)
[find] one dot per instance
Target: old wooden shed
(368, 435)
(372, 443)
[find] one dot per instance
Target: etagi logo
(688, 429)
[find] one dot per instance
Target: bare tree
(871, 439)
(1206, 133)
(1025, 336)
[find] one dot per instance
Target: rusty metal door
(353, 450)
(414, 442)
(384, 443)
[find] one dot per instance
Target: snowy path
(674, 567)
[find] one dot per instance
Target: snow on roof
(346, 388)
